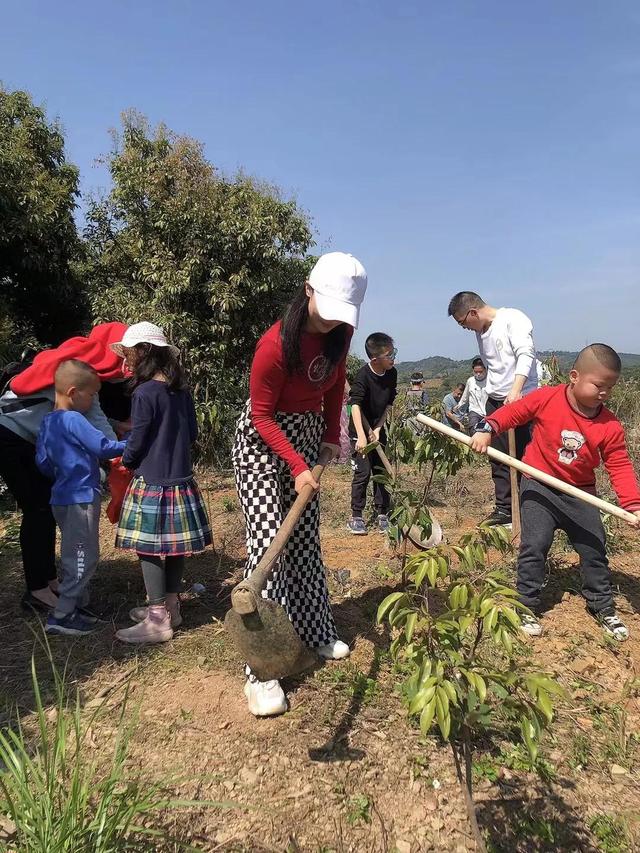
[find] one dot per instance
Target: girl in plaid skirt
(296, 391)
(163, 517)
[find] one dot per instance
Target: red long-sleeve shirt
(273, 390)
(569, 445)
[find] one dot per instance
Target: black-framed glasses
(464, 319)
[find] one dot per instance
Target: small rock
(249, 777)
(201, 660)
(403, 846)
(616, 771)
(229, 784)
(566, 596)
(430, 802)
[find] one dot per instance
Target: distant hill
(440, 367)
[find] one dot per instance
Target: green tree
(41, 296)
(212, 259)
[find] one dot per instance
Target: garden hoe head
(259, 627)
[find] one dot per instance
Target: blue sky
(492, 146)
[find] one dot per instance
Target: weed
(580, 752)
(519, 758)
(55, 795)
(10, 535)
(485, 768)
(229, 504)
(358, 809)
(540, 828)
(610, 832)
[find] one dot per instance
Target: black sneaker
(498, 518)
(611, 624)
(73, 625)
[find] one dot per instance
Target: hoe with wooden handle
(542, 476)
(414, 534)
(259, 627)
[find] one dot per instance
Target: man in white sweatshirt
(505, 342)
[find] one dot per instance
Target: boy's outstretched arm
(620, 469)
(95, 441)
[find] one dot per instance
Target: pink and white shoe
(156, 628)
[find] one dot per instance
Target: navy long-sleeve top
(163, 430)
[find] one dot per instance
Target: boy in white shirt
(474, 396)
(505, 342)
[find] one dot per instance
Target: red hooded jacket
(93, 349)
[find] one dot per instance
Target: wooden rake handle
(245, 595)
(542, 476)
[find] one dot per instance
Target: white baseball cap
(142, 333)
(339, 282)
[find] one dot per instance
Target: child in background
(163, 516)
(572, 431)
(68, 451)
(373, 391)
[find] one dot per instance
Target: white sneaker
(530, 625)
(265, 698)
(334, 651)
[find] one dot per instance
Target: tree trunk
(466, 785)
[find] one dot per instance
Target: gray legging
(161, 576)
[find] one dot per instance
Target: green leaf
(410, 626)
(387, 603)
(426, 717)
(544, 703)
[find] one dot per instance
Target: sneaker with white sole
(337, 650)
(530, 625)
(357, 526)
(156, 628)
(383, 523)
(265, 698)
(139, 614)
(498, 518)
(72, 625)
(612, 624)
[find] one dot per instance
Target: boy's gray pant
(79, 552)
(543, 510)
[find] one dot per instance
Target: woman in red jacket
(296, 386)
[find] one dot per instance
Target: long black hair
(153, 360)
(293, 323)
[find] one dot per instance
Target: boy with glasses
(373, 391)
(505, 342)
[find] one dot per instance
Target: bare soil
(344, 769)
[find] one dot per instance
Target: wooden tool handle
(383, 456)
(244, 596)
(542, 476)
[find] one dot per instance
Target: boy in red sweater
(572, 431)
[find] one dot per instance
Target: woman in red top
(296, 387)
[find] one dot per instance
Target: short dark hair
(478, 362)
(72, 371)
(603, 354)
(463, 302)
(459, 385)
(417, 376)
(377, 343)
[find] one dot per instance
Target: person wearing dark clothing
(372, 394)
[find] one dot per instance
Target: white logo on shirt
(319, 369)
(571, 443)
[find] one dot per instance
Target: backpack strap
(22, 403)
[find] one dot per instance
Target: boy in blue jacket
(68, 451)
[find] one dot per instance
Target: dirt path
(345, 770)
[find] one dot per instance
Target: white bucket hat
(142, 333)
(339, 282)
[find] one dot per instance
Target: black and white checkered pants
(266, 491)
